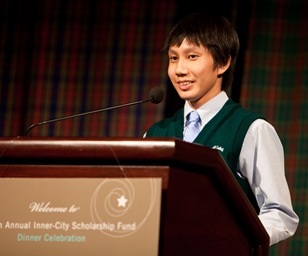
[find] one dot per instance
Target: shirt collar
(209, 109)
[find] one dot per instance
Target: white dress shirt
(261, 161)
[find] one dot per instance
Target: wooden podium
(203, 211)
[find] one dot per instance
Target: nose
(181, 68)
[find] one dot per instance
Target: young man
(202, 54)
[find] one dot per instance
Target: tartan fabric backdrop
(275, 84)
(59, 58)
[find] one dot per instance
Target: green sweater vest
(225, 132)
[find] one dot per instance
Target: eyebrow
(186, 50)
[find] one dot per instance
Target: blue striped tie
(192, 126)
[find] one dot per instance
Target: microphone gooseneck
(156, 96)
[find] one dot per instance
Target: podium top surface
(145, 149)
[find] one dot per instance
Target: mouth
(184, 85)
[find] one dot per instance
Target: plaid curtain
(60, 58)
(275, 83)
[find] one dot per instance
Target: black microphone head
(156, 95)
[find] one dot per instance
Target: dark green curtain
(275, 83)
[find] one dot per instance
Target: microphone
(156, 95)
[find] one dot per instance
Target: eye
(173, 58)
(192, 56)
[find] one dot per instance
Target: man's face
(193, 73)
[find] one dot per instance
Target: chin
(186, 95)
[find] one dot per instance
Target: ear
(222, 69)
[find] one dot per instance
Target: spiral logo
(122, 206)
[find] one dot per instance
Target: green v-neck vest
(224, 132)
